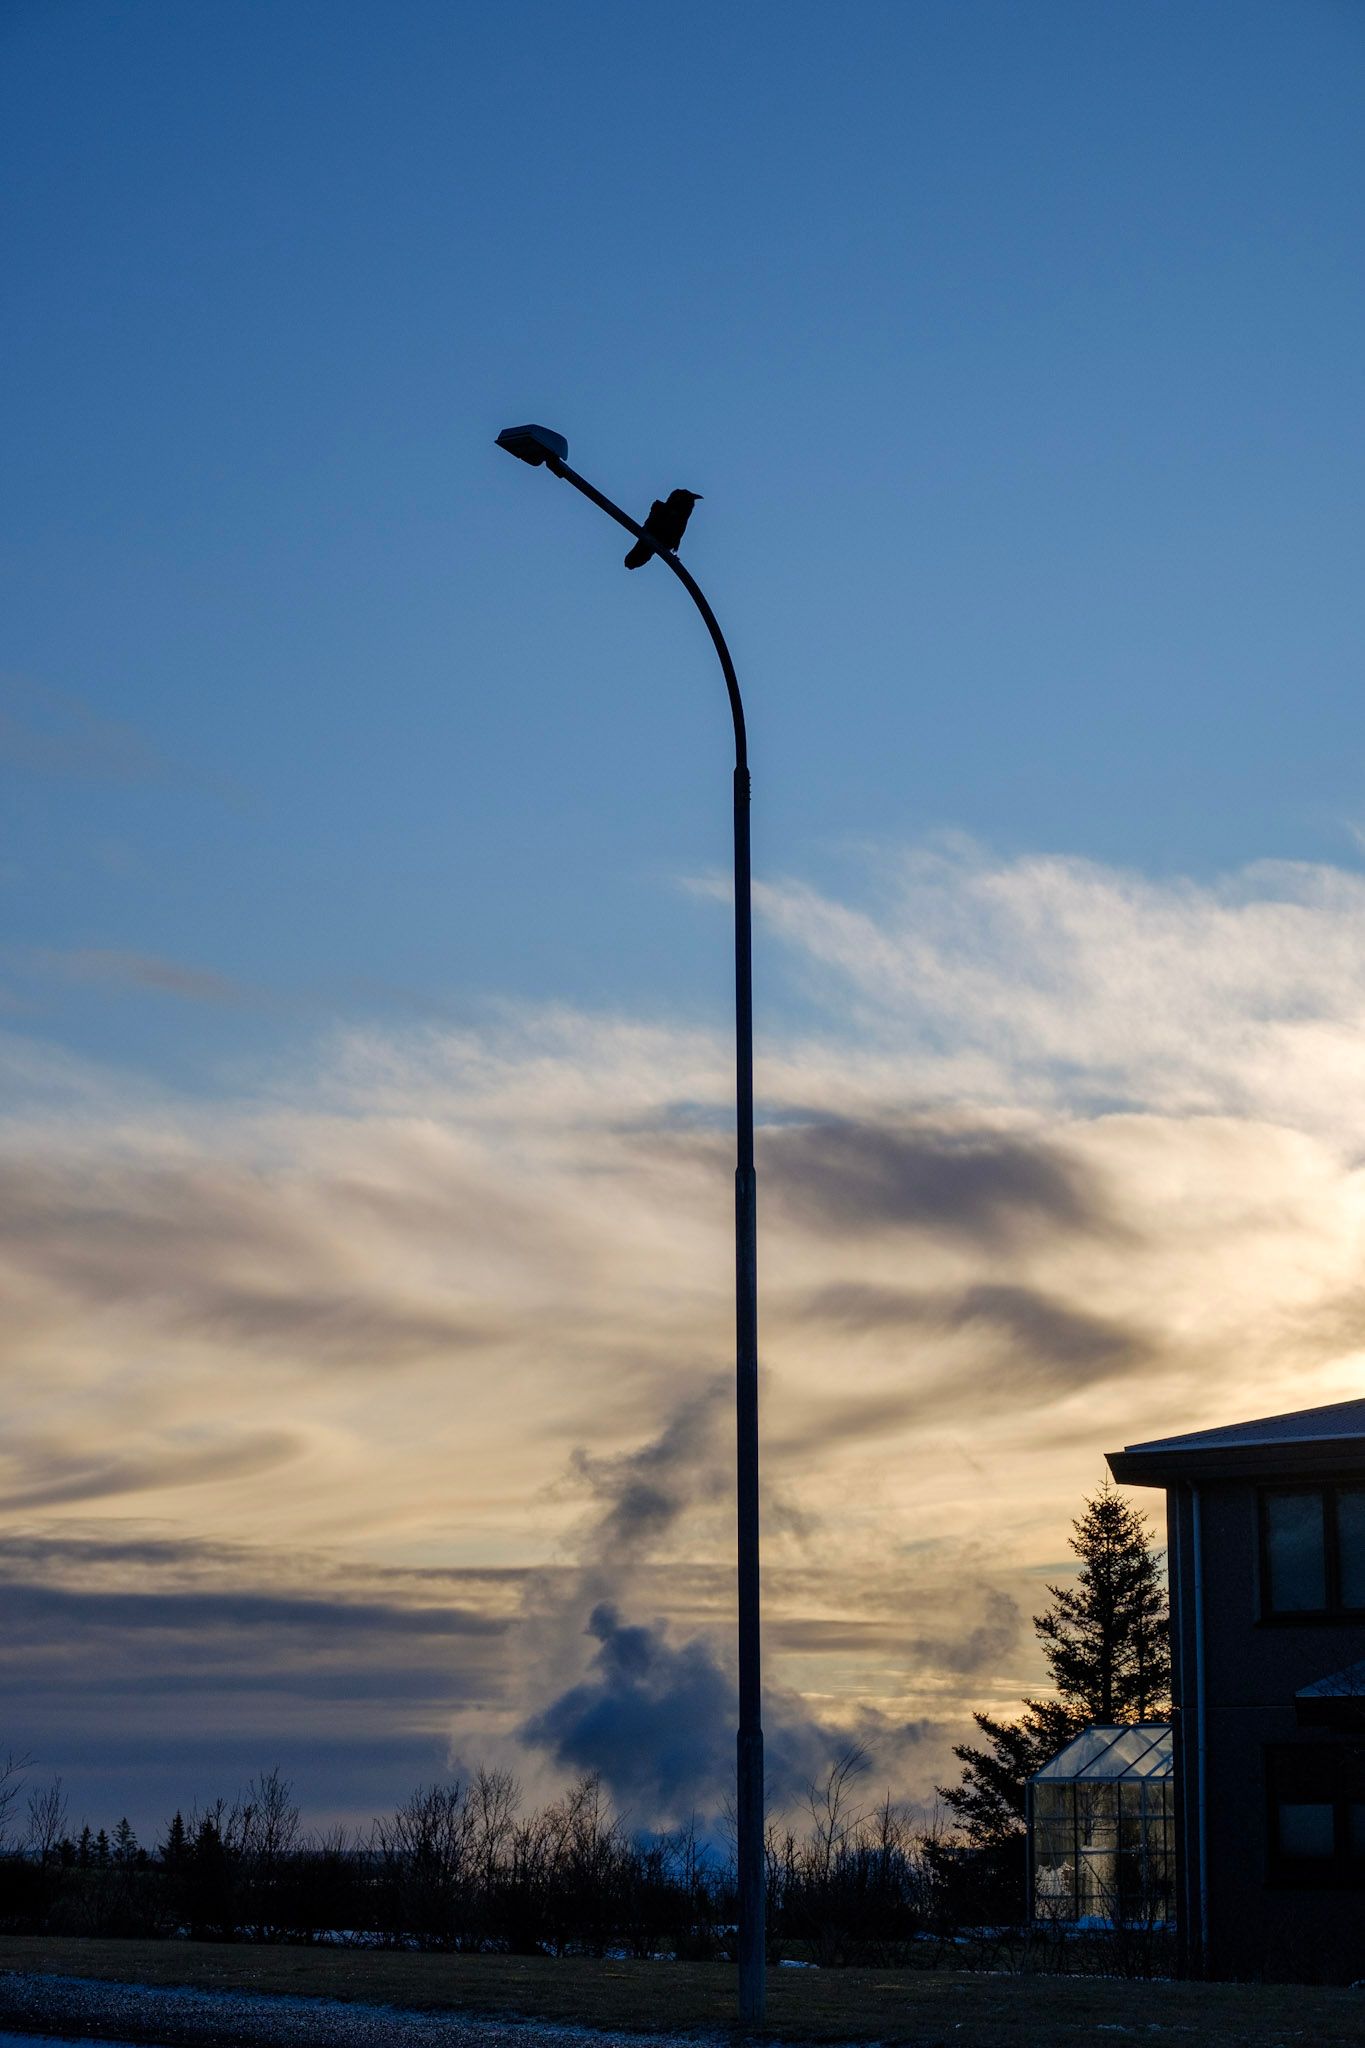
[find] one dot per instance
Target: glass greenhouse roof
(1103, 1753)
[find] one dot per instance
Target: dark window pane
(1294, 1551)
(1355, 1828)
(1351, 1539)
(1306, 1830)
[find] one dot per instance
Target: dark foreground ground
(478, 1997)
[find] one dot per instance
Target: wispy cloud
(147, 972)
(34, 1473)
(1056, 979)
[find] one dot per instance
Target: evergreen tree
(1107, 1644)
(175, 1848)
(125, 1843)
(210, 1891)
(1106, 1639)
(101, 1850)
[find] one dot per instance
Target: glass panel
(1076, 1758)
(1051, 1802)
(1351, 1544)
(1053, 1845)
(1127, 1751)
(1294, 1552)
(1097, 1805)
(1306, 1830)
(1355, 1828)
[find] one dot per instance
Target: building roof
(1309, 1440)
(1338, 1685)
(1107, 1751)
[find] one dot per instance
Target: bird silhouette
(667, 522)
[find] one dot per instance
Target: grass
(924, 2007)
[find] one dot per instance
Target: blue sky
(1016, 352)
(364, 984)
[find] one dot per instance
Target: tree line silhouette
(462, 1865)
(465, 1865)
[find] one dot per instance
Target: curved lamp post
(540, 446)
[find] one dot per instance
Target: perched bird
(667, 522)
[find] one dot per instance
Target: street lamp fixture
(541, 446)
(534, 444)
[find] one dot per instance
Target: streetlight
(540, 446)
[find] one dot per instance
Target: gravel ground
(87, 2008)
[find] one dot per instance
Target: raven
(666, 524)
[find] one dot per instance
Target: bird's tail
(638, 555)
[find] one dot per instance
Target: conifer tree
(1106, 1638)
(176, 1846)
(1107, 1644)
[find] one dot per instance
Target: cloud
(1057, 980)
(979, 1647)
(1046, 1340)
(67, 1478)
(42, 1610)
(1074, 1161)
(990, 1188)
(145, 971)
(145, 1669)
(88, 1555)
(233, 1254)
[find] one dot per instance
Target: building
(1266, 1539)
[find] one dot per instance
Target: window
(1351, 1545)
(1295, 1553)
(1317, 1813)
(1313, 1550)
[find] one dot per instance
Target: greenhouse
(1101, 1825)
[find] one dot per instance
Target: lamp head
(534, 444)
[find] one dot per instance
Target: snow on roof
(1107, 1751)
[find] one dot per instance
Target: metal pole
(752, 1872)
(749, 1741)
